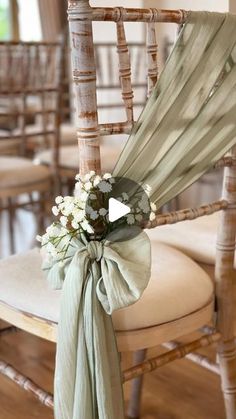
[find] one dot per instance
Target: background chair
(30, 83)
(177, 301)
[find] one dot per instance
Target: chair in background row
(30, 81)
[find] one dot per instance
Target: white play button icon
(116, 209)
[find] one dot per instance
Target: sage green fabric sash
(189, 121)
(99, 277)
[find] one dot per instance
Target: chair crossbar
(117, 14)
(26, 383)
(187, 214)
(197, 358)
(177, 353)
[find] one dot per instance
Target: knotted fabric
(96, 279)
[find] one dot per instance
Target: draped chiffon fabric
(189, 121)
(97, 278)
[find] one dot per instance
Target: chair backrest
(85, 73)
(109, 99)
(81, 16)
(30, 82)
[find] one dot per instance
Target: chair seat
(69, 157)
(195, 238)
(9, 146)
(19, 171)
(178, 287)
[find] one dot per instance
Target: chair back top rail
(124, 14)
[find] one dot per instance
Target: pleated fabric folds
(188, 122)
(97, 278)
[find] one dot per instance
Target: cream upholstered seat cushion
(178, 287)
(195, 238)
(18, 171)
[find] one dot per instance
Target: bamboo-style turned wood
(178, 353)
(136, 387)
(225, 161)
(138, 15)
(125, 71)
(84, 77)
(27, 384)
(197, 358)
(152, 57)
(224, 275)
(187, 214)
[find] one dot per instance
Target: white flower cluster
(87, 212)
(138, 211)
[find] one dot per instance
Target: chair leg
(227, 361)
(11, 219)
(136, 388)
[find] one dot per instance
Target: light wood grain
(180, 390)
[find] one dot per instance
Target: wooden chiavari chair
(29, 93)
(177, 302)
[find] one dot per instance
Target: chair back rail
(30, 82)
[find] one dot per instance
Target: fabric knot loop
(95, 250)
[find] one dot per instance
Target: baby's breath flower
(39, 238)
(125, 196)
(83, 196)
(63, 221)
(153, 206)
(138, 217)
(102, 212)
(88, 186)
(59, 199)
(96, 180)
(87, 227)
(104, 186)
(144, 204)
(152, 216)
(55, 210)
(75, 224)
(130, 219)
(107, 176)
(94, 215)
(78, 215)
(89, 175)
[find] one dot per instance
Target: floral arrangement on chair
(86, 213)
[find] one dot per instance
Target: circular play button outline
(125, 206)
